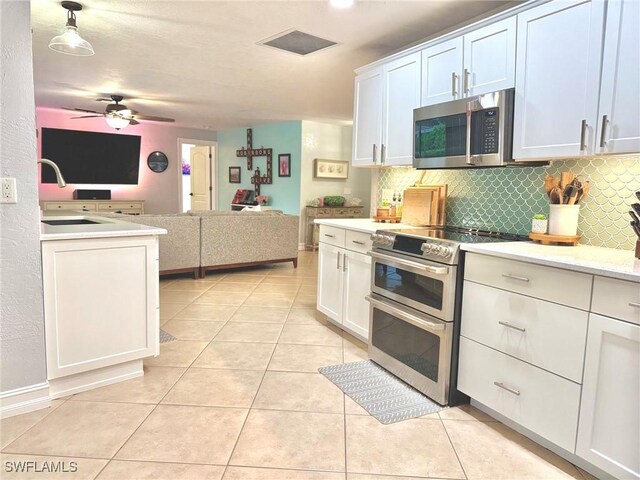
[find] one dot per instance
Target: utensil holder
(563, 219)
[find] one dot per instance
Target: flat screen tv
(91, 157)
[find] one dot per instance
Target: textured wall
(333, 142)
(160, 191)
(22, 354)
(284, 192)
(506, 199)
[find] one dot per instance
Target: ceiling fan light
(117, 122)
(341, 3)
(71, 43)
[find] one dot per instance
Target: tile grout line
(253, 401)
(444, 426)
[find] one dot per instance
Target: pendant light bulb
(116, 121)
(70, 42)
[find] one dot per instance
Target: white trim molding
(24, 400)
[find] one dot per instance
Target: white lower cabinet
(609, 429)
(101, 310)
(356, 287)
(538, 400)
(567, 374)
(330, 280)
(344, 278)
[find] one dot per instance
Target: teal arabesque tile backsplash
(505, 199)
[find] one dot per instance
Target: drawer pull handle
(515, 277)
(330, 236)
(508, 325)
(508, 389)
(634, 304)
(358, 242)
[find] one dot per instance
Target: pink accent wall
(160, 191)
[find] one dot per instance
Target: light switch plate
(8, 190)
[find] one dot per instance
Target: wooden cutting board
(424, 205)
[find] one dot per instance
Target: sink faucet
(59, 177)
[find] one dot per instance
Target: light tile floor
(238, 396)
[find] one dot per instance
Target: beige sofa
(200, 241)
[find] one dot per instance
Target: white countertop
(107, 227)
(608, 262)
(366, 225)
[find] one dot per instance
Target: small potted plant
(262, 199)
(539, 223)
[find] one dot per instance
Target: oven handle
(420, 266)
(417, 321)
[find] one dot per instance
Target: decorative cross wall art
(257, 179)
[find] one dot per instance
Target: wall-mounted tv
(91, 157)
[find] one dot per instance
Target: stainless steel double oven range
(416, 295)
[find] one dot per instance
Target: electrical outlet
(8, 190)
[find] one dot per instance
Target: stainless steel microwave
(466, 133)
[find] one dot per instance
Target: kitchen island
(101, 299)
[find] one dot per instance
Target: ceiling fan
(118, 115)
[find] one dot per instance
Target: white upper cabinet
(383, 115)
(490, 58)
(401, 96)
(481, 61)
(557, 79)
(367, 119)
(441, 72)
(619, 112)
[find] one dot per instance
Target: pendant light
(70, 42)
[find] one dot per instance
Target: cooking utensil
(555, 196)
(583, 192)
(636, 227)
(638, 195)
(574, 196)
(567, 193)
(550, 182)
(565, 179)
(634, 216)
(636, 208)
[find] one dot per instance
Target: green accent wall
(284, 192)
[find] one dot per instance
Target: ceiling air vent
(297, 42)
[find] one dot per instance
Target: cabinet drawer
(616, 298)
(70, 206)
(111, 207)
(542, 333)
(538, 400)
(548, 283)
(358, 241)
(332, 235)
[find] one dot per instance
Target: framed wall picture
(234, 174)
(284, 165)
(336, 169)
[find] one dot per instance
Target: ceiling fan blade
(81, 110)
(104, 100)
(133, 122)
(87, 116)
(151, 118)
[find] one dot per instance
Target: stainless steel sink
(71, 221)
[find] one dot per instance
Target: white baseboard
(81, 382)
(24, 400)
(301, 246)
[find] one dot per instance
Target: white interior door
(201, 178)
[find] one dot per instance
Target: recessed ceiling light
(341, 3)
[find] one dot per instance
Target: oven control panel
(436, 249)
